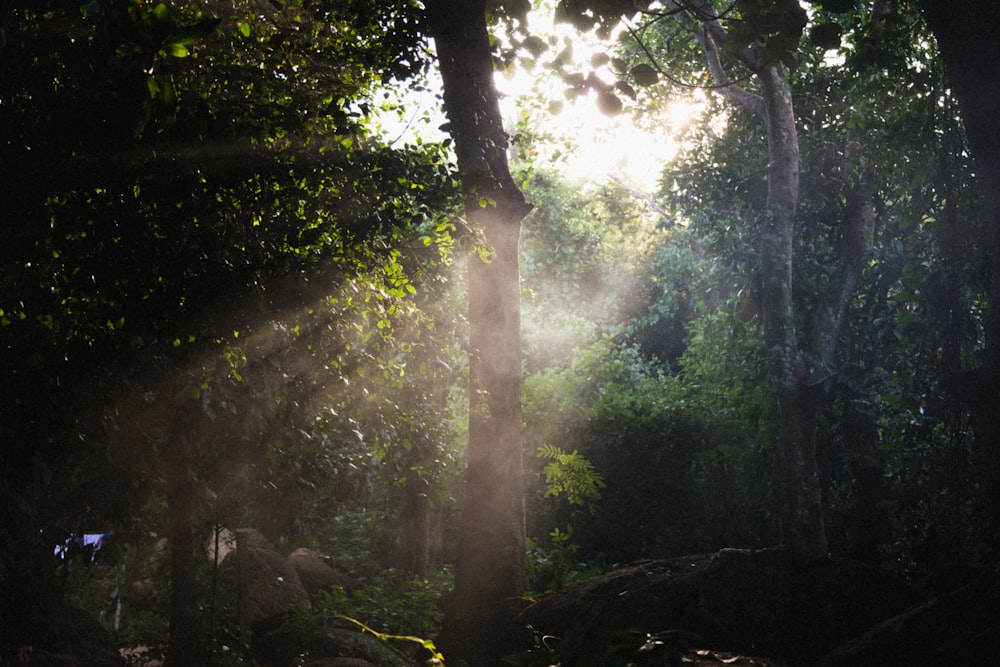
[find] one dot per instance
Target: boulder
(265, 584)
(221, 542)
(252, 538)
(316, 574)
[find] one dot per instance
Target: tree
(490, 562)
(966, 41)
(141, 255)
(762, 42)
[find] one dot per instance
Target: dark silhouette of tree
(968, 46)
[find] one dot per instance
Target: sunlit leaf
(161, 13)
(178, 50)
(194, 33)
(486, 253)
(565, 56)
(609, 103)
(535, 45)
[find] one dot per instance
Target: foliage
(717, 187)
(426, 644)
(645, 433)
(570, 476)
(391, 602)
(204, 256)
(210, 259)
(581, 265)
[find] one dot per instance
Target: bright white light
(586, 146)
(589, 146)
(598, 146)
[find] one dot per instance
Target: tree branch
(698, 17)
(641, 195)
(855, 248)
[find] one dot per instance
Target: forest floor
(735, 606)
(750, 608)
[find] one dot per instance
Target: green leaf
(609, 103)
(194, 33)
(245, 29)
(600, 58)
(825, 36)
(645, 75)
(626, 90)
(486, 253)
(837, 6)
(161, 13)
(178, 50)
(535, 45)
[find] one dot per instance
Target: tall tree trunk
(490, 563)
(800, 508)
(184, 639)
(417, 518)
(966, 33)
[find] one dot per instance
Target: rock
(266, 585)
(252, 538)
(759, 603)
(221, 542)
(317, 575)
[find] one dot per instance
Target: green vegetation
(227, 300)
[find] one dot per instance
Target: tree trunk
(490, 563)
(795, 375)
(800, 508)
(184, 638)
(417, 522)
(966, 36)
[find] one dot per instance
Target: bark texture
(490, 563)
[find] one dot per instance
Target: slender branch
(670, 77)
(707, 29)
(692, 242)
(639, 195)
(855, 248)
(752, 102)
